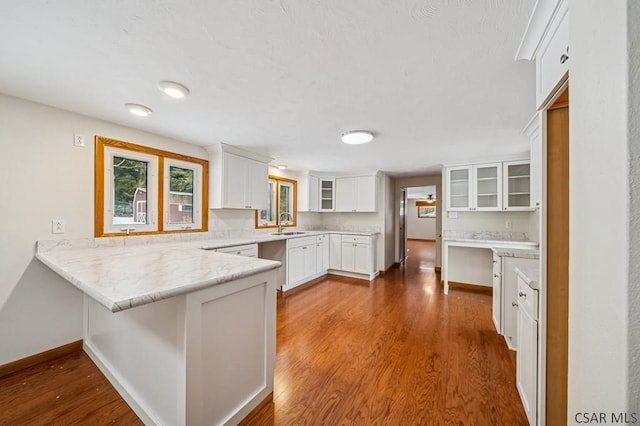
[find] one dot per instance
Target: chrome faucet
(284, 216)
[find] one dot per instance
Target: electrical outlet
(507, 224)
(58, 226)
(78, 140)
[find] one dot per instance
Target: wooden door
(557, 279)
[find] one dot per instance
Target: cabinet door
(526, 364)
(365, 194)
(257, 181)
(296, 265)
(346, 194)
(314, 194)
(310, 260)
(535, 140)
(335, 251)
(458, 188)
(327, 195)
(362, 262)
(517, 185)
(325, 254)
(552, 61)
(487, 188)
(497, 292)
(234, 182)
(348, 257)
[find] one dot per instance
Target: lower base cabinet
(357, 256)
(527, 355)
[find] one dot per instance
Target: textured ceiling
(435, 80)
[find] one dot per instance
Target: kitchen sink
(290, 233)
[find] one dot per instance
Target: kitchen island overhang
(191, 341)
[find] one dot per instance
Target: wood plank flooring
(394, 351)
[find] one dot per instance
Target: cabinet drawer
(299, 242)
(249, 250)
(322, 238)
(527, 299)
(357, 239)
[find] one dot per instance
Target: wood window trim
(279, 179)
(101, 142)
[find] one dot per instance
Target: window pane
(129, 191)
(267, 217)
(181, 182)
(286, 204)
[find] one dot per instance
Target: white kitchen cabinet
(517, 185)
(552, 58)
(356, 194)
(327, 188)
(508, 295)
(308, 194)
(358, 255)
(474, 187)
(527, 356)
(301, 261)
(534, 133)
(322, 254)
(497, 293)
(237, 181)
(335, 251)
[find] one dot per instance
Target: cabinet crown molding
(541, 17)
(223, 147)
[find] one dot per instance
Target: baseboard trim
(38, 358)
(438, 269)
(251, 417)
(421, 239)
(473, 287)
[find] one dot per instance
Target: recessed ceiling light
(139, 110)
(282, 166)
(173, 89)
(356, 137)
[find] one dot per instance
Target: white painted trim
(537, 28)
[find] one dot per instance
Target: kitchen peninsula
(186, 335)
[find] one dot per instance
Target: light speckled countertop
(532, 253)
(531, 276)
(124, 277)
(489, 237)
(124, 272)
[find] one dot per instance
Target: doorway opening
(418, 226)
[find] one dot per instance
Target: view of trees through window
(180, 195)
(281, 200)
(129, 191)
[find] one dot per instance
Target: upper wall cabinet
(489, 186)
(356, 194)
(533, 132)
(308, 195)
(239, 180)
(546, 40)
(474, 187)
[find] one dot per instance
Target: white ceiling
(435, 80)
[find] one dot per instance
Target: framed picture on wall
(426, 211)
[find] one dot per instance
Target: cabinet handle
(537, 203)
(523, 295)
(514, 304)
(496, 276)
(565, 56)
(304, 248)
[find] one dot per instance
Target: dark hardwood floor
(394, 351)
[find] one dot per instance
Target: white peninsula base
(200, 358)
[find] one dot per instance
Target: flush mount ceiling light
(173, 89)
(357, 137)
(139, 110)
(282, 166)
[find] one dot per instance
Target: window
(281, 204)
(142, 190)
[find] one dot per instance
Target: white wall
(45, 177)
(599, 164)
(419, 228)
(634, 220)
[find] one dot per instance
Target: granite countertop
(532, 253)
(124, 277)
(489, 237)
(531, 276)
